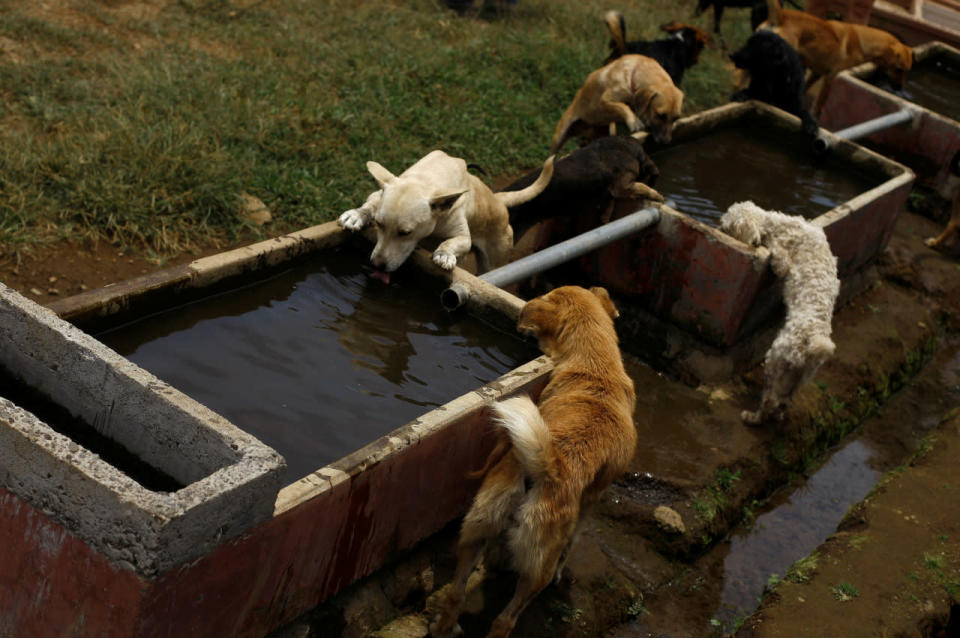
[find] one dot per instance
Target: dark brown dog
(829, 46)
(587, 182)
(558, 455)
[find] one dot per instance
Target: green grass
(845, 592)
(143, 129)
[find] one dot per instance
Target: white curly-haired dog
(801, 257)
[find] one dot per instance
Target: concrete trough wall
(915, 22)
(717, 288)
(306, 542)
(230, 478)
(926, 145)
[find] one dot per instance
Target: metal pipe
(457, 294)
(857, 131)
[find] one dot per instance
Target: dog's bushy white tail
(528, 432)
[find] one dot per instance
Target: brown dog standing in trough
(633, 89)
(556, 456)
(830, 46)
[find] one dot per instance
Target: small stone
(36, 291)
(52, 280)
(669, 520)
(254, 209)
(83, 287)
(719, 395)
(53, 291)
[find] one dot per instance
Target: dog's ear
(647, 96)
(605, 301)
(382, 175)
(445, 199)
(535, 317)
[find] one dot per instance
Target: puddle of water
(320, 360)
(671, 421)
(934, 84)
(793, 528)
(706, 175)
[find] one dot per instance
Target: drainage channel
(724, 586)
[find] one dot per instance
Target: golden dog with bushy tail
(556, 456)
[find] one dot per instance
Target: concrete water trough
(684, 272)
(223, 542)
(915, 21)
(931, 93)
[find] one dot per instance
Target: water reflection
(793, 528)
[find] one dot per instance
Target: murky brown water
(706, 175)
(321, 359)
(933, 83)
(60, 420)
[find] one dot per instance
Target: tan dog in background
(555, 458)
(633, 89)
(438, 197)
(830, 46)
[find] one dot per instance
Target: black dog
(675, 54)
(587, 181)
(776, 76)
(758, 11)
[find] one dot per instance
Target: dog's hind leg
(952, 228)
(549, 544)
(488, 517)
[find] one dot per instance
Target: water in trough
(704, 176)
(933, 83)
(321, 359)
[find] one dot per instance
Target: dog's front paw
(752, 418)
(634, 125)
(444, 260)
(931, 242)
(352, 220)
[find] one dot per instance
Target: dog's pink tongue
(382, 275)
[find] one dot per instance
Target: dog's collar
(633, 87)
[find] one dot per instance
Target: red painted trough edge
(330, 528)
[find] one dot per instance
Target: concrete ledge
(230, 479)
(198, 274)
